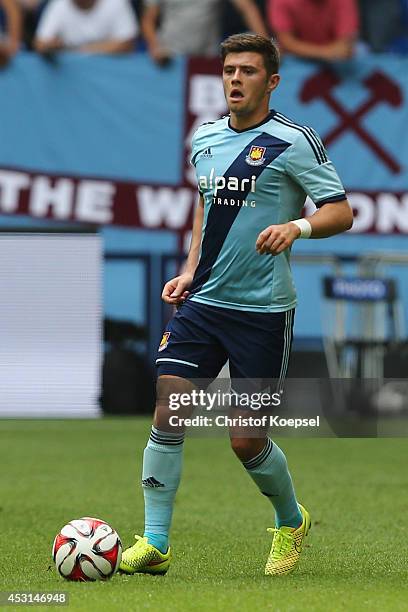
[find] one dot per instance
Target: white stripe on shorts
(193, 365)
(287, 335)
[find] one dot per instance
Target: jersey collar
(271, 114)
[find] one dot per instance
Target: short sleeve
(50, 21)
(307, 163)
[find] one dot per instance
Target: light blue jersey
(251, 179)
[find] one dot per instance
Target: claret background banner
(107, 140)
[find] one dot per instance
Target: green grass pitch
(356, 490)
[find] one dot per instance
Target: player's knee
(168, 390)
(170, 386)
(245, 448)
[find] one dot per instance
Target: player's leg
(187, 352)
(266, 464)
(265, 356)
(162, 461)
(161, 473)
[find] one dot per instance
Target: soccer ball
(87, 549)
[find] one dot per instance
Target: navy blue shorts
(199, 339)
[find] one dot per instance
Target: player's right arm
(175, 291)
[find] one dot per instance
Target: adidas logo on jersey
(207, 153)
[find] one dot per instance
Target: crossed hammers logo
(383, 91)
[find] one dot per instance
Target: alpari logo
(230, 183)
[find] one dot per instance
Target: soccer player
(236, 297)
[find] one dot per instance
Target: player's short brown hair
(239, 43)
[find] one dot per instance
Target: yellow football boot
(144, 558)
(287, 544)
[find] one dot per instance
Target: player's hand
(175, 290)
(276, 238)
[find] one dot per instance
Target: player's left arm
(251, 16)
(328, 221)
(308, 165)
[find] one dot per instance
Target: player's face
(247, 86)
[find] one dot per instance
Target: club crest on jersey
(164, 341)
(256, 156)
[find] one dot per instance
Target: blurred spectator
(315, 29)
(31, 10)
(10, 34)
(88, 26)
(232, 22)
(381, 22)
(191, 27)
(137, 7)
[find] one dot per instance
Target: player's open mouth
(236, 94)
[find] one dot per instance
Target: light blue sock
(269, 470)
(162, 461)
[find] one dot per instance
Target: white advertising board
(50, 325)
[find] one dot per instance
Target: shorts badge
(164, 341)
(256, 156)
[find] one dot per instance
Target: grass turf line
(356, 491)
